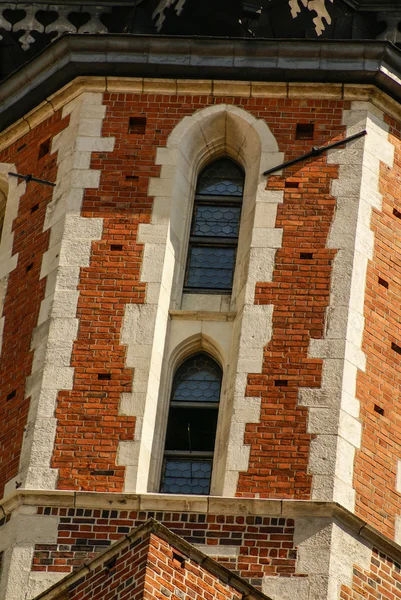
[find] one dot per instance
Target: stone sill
(201, 315)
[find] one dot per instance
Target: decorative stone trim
(334, 409)
(70, 242)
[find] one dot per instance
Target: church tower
(200, 274)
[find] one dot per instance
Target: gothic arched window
(214, 230)
(191, 428)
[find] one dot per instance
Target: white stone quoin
(334, 408)
(69, 249)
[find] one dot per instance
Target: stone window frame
(158, 330)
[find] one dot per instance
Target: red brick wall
(167, 578)
(266, 545)
(89, 427)
(148, 569)
(120, 581)
(300, 293)
(382, 581)
(377, 500)
(25, 290)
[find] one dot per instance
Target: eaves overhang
(126, 55)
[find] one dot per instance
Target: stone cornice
(216, 88)
(119, 56)
(206, 504)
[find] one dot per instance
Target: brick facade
(382, 580)
(88, 461)
(287, 454)
(152, 567)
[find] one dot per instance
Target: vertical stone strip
(254, 327)
(70, 242)
(334, 408)
(8, 261)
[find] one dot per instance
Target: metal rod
(315, 152)
(30, 177)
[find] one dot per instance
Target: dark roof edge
(248, 591)
(126, 55)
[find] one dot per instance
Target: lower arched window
(191, 427)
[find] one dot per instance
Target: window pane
(211, 267)
(191, 429)
(216, 221)
(183, 476)
(221, 178)
(198, 379)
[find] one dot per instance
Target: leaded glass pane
(216, 221)
(211, 267)
(221, 178)
(183, 476)
(198, 379)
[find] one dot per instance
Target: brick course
(265, 544)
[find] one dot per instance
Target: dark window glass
(191, 428)
(214, 229)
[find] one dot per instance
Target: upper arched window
(214, 229)
(191, 428)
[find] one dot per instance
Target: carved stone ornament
(158, 14)
(62, 24)
(29, 23)
(317, 6)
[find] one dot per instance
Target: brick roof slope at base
(152, 562)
